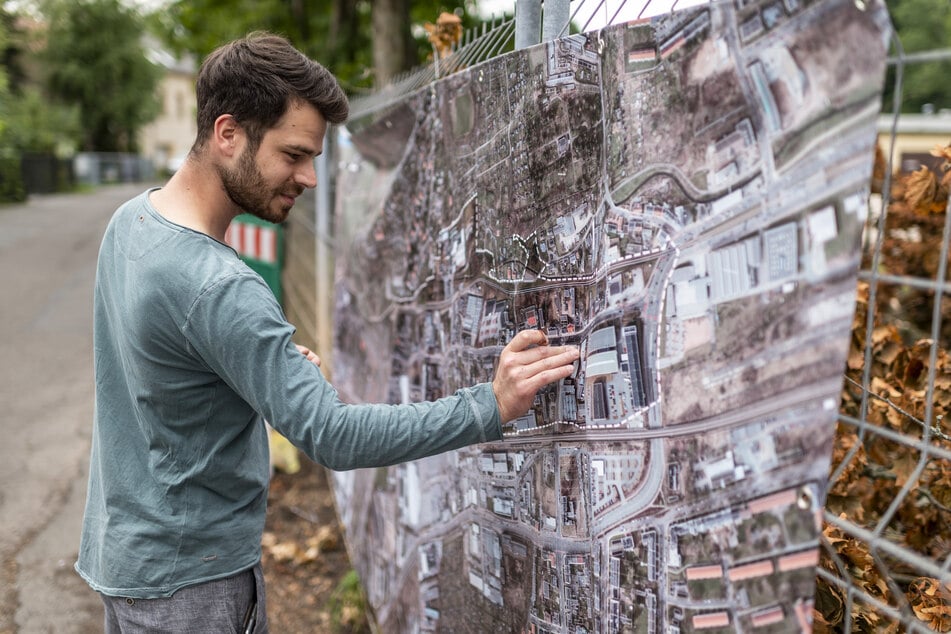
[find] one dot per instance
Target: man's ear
(227, 135)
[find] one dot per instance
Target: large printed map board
(681, 197)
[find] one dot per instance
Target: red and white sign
(253, 241)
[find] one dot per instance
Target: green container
(260, 244)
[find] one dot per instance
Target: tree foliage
(37, 125)
(97, 61)
(4, 75)
(922, 25)
(11, 186)
(12, 44)
(29, 120)
(339, 34)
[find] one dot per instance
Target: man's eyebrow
(303, 150)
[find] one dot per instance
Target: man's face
(266, 179)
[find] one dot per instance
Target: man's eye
(293, 156)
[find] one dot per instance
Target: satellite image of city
(683, 198)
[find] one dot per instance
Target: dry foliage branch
(875, 468)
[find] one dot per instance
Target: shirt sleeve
(239, 331)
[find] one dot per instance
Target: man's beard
(246, 187)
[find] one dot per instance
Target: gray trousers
(234, 605)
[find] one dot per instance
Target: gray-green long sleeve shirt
(191, 351)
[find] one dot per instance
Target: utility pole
(531, 28)
(556, 18)
(528, 20)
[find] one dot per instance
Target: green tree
(11, 186)
(922, 25)
(12, 48)
(11, 181)
(325, 30)
(38, 125)
(96, 61)
(340, 34)
(29, 120)
(4, 81)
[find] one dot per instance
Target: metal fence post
(555, 19)
(323, 253)
(528, 19)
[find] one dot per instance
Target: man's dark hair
(256, 78)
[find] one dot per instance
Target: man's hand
(313, 358)
(528, 363)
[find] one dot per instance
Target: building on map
(821, 228)
(688, 294)
(769, 616)
(733, 269)
(781, 246)
(471, 315)
(634, 370)
(718, 473)
(711, 620)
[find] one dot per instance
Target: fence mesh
(885, 543)
(886, 537)
(476, 45)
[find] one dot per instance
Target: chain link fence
(885, 543)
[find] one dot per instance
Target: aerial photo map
(683, 198)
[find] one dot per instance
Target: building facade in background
(166, 140)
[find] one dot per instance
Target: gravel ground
(305, 561)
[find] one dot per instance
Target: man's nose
(307, 175)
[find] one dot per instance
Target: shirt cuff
(485, 409)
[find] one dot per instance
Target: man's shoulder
(162, 258)
(139, 231)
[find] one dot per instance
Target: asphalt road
(48, 250)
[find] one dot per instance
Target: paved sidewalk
(48, 250)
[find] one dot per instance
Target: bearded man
(193, 353)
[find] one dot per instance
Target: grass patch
(348, 606)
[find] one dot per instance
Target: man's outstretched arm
(256, 357)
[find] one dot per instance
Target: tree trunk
(299, 10)
(392, 40)
(343, 35)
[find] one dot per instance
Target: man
(192, 351)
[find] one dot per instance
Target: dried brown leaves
(325, 540)
(931, 603)
(876, 469)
